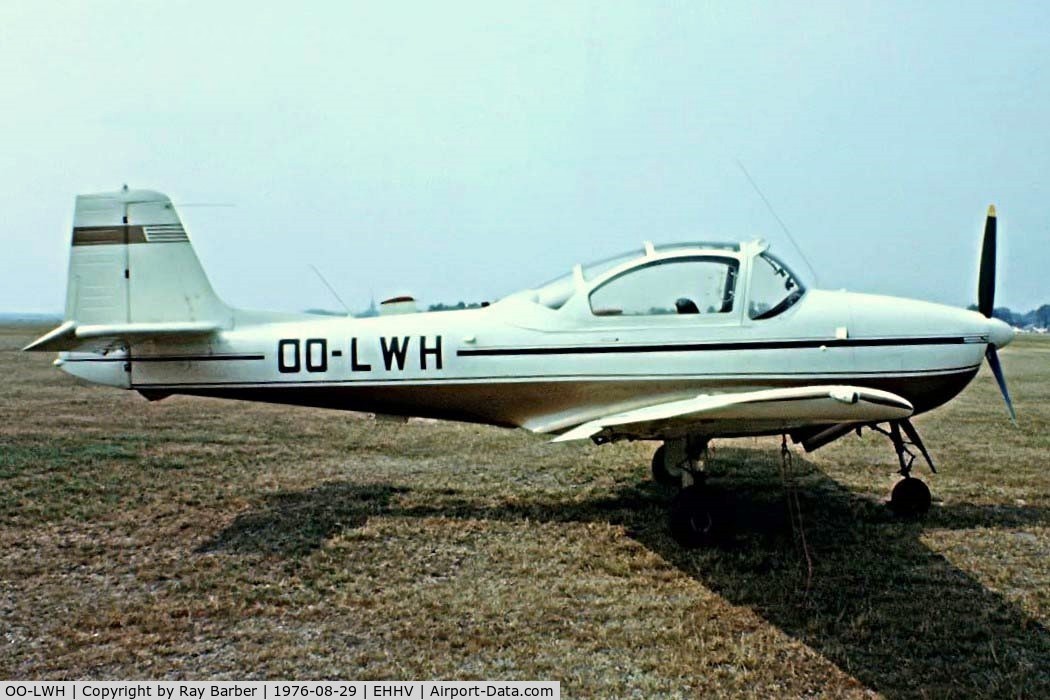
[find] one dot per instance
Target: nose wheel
(910, 498)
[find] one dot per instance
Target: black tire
(660, 473)
(910, 498)
(697, 517)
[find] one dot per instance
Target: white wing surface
(772, 410)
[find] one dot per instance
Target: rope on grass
(794, 506)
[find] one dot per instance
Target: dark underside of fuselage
(516, 403)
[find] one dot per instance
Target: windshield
(774, 288)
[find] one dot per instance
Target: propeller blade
(986, 280)
(997, 370)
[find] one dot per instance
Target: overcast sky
(464, 150)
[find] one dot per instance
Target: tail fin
(132, 274)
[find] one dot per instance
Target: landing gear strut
(679, 462)
(697, 515)
(910, 497)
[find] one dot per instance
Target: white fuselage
(518, 363)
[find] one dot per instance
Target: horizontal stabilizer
(773, 409)
(70, 336)
(62, 338)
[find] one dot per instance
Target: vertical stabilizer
(131, 262)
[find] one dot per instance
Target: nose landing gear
(910, 497)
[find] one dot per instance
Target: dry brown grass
(203, 539)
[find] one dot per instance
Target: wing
(771, 410)
(96, 338)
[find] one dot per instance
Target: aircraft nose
(999, 333)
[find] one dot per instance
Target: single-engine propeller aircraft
(674, 343)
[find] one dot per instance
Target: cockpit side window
(695, 285)
(774, 288)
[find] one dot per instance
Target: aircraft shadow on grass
(880, 605)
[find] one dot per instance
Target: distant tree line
(456, 307)
(373, 311)
(1039, 318)
(325, 312)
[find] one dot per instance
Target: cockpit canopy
(682, 279)
(679, 285)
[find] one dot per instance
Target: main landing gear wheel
(910, 498)
(661, 474)
(697, 517)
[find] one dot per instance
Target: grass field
(197, 538)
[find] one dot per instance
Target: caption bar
(280, 690)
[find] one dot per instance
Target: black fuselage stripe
(596, 349)
(711, 347)
(170, 358)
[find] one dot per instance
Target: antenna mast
(332, 290)
(783, 226)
